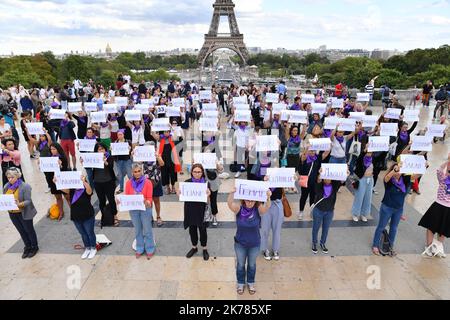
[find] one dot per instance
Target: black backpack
(385, 244)
(107, 217)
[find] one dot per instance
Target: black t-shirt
(328, 203)
(82, 209)
(427, 89)
(277, 194)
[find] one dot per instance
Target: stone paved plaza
(115, 273)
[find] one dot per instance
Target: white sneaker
(276, 256)
(267, 255)
(85, 254)
(300, 215)
(224, 175)
(237, 175)
(92, 254)
(364, 219)
(355, 219)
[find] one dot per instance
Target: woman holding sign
(23, 217)
(364, 186)
(396, 189)
(27, 118)
(437, 218)
(172, 164)
(10, 157)
(68, 139)
(247, 241)
(194, 214)
(57, 151)
(142, 219)
(123, 162)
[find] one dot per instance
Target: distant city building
(108, 50)
(384, 54)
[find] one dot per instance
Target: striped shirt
(443, 196)
(370, 89)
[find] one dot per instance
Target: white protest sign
(160, 109)
(240, 100)
(332, 171)
(160, 124)
(49, 164)
(193, 192)
(389, 129)
(35, 128)
(393, 113)
(347, 125)
(298, 117)
(267, 143)
(285, 114)
(411, 115)
(146, 102)
(131, 202)
(331, 123)
(57, 114)
(242, 106)
(242, 116)
(208, 124)
(279, 107)
(133, 115)
(378, 144)
(178, 102)
(68, 180)
(251, 190)
(64, 104)
(120, 149)
(422, 143)
(121, 101)
(436, 130)
(205, 95)
(110, 108)
(363, 97)
(74, 107)
(98, 117)
(323, 144)
(143, 108)
(93, 160)
(319, 108)
(210, 114)
(195, 97)
(358, 116)
(87, 145)
(173, 111)
(272, 97)
(209, 107)
(370, 121)
(281, 177)
(412, 164)
(207, 160)
(156, 100)
(8, 202)
(337, 103)
(90, 106)
(144, 154)
(308, 98)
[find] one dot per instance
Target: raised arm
(233, 206)
(263, 209)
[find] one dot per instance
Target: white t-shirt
(241, 137)
(338, 149)
(138, 137)
(5, 128)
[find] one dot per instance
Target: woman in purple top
(248, 239)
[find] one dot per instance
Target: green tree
(74, 67)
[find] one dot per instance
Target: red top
(147, 192)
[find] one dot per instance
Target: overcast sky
(30, 26)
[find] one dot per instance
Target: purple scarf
(327, 190)
(113, 118)
(361, 134)
(294, 141)
(367, 161)
(104, 125)
(136, 128)
(64, 123)
(107, 155)
(447, 183)
(296, 107)
(400, 184)
(138, 185)
(311, 159)
(82, 119)
(276, 124)
(146, 119)
(340, 139)
(93, 138)
(15, 185)
(42, 145)
(211, 140)
(242, 127)
(77, 195)
(404, 136)
(246, 213)
(327, 133)
(202, 180)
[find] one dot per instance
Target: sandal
(159, 222)
(376, 251)
(116, 222)
(251, 290)
(240, 291)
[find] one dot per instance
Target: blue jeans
(338, 160)
(363, 197)
(86, 230)
(386, 214)
(142, 222)
(123, 169)
(242, 255)
(321, 219)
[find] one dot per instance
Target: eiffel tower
(214, 41)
